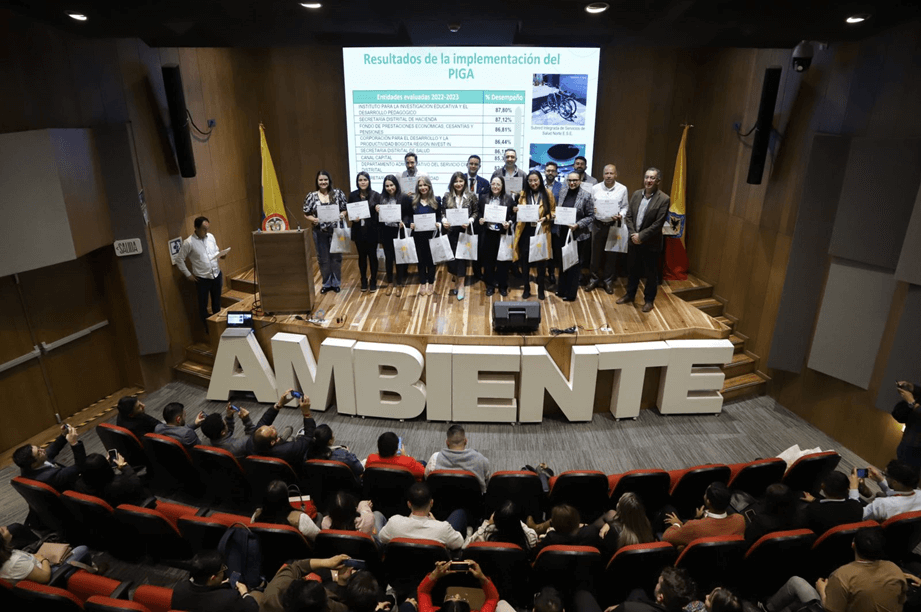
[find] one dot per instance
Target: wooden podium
(284, 269)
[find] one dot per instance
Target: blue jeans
(79, 554)
(330, 263)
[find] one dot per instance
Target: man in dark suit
(38, 463)
(645, 217)
(475, 183)
(673, 591)
(267, 442)
(834, 508)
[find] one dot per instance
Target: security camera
(802, 56)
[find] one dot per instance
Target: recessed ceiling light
(857, 18)
(77, 16)
(311, 5)
(597, 7)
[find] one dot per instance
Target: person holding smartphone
(908, 412)
(209, 588)
(445, 568)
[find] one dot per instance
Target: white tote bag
(618, 238)
(405, 248)
(342, 239)
(539, 249)
(467, 244)
(570, 252)
(506, 245)
(441, 248)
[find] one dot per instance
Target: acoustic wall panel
(881, 182)
(905, 356)
(854, 312)
(909, 268)
(802, 290)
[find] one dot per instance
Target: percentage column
(500, 130)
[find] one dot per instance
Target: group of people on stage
(644, 215)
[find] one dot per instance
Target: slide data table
(442, 127)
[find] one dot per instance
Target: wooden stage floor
(382, 318)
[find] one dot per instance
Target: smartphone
(400, 446)
(112, 454)
(297, 394)
(234, 408)
(355, 563)
(862, 472)
(458, 566)
(234, 578)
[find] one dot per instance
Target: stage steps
(231, 296)
(197, 366)
(743, 379)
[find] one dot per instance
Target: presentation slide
(448, 103)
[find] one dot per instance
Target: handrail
(35, 352)
(50, 346)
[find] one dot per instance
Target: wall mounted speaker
(764, 125)
(179, 120)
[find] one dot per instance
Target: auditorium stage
(440, 318)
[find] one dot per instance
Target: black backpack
(241, 551)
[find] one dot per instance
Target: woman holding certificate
(458, 203)
(363, 204)
(496, 208)
(320, 208)
(423, 220)
(536, 195)
(391, 197)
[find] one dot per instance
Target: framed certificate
(408, 183)
(390, 213)
(358, 210)
(495, 213)
(424, 223)
(328, 213)
(457, 216)
(528, 213)
(607, 209)
(512, 185)
(564, 216)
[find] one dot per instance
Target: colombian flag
(676, 257)
(272, 204)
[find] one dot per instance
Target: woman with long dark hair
(533, 194)
(323, 446)
(424, 203)
(457, 196)
(495, 272)
(277, 509)
(505, 525)
(391, 194)
(330, 263)
(348, 514)
(365, 231)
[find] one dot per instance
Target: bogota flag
(273, 208)
(676, 257)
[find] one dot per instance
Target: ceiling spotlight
(858, 18)
(311, 5)
(454, 27)
(77, 16)
(597, 7)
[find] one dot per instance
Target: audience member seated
(834, 508)
(174, 425)
(866, 584)
(456, 456)
(505, 525)
(775, 512)
(625, 525)
(673, 591)
(208, 588)
(99, 479)
(16, 565)
(566, 528)
(220, 431)
(717, 600)
(900, 489)
(455, 603)
(267, 442)
(277, 509)
(38, 463)
(711, 519)
(420, 524)
(391, 451)
(348, 514)
(290, 591)
(363, 593)
(132, 417)
(324, 446)
(548, 599)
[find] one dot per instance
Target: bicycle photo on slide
(559, 99)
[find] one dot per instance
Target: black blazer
(505, 199)
(656, 213)
(366, 232)
(820, 517)
(59, 477)
(295, 451)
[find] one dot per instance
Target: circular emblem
(274, 223)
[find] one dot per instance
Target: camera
(802, 56)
